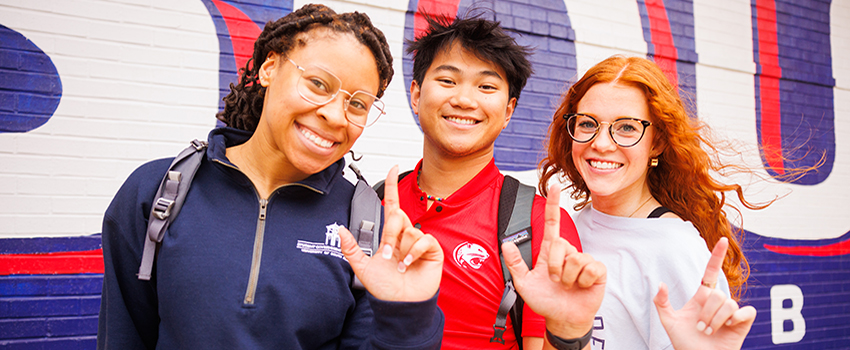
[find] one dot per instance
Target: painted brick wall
(135, 80)
(50, 301)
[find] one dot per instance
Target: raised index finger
(391, 190)
(552, 223)
(393, 223)
(715, 263)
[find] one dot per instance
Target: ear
(267, 69)
(657, 149)
(414, 97)
(509, 111)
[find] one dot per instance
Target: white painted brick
(48, 225)
(102, 187)
(78, 205)
(8, 185)
(53, 186)
(8, 227)
(185, 41)
(146, 55)
(28, 21)
(81, 48)
(24, 204)
(23, 165)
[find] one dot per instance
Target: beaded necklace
(430, 197)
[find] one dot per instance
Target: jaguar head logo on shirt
(470, 255)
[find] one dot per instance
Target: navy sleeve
(406, 325)
(128, 309)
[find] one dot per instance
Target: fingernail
(408, 259)
(388, 252)
(700, 326)
(402, 267)
(729, 323)
(708, 331)
(554, 278)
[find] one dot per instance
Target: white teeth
(604, 165)
(461, 120)
(321, 142)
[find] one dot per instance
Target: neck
(266, 169)
(442, 176)
(637, 205)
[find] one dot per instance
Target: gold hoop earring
(653, 162)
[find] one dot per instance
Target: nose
(334, 111)
(603, 140)
(464, 98)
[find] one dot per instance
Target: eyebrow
(457, 70)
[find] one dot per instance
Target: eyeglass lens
(625, 132)
(319, 86)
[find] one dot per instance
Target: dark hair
(482, 37)
(244, 105)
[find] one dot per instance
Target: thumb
(514, 262)
(352, 251)
(662, 304)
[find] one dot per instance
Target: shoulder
(146, 176)
(141, 185)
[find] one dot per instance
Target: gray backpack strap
(364, 219)
(515, 203)
(168, 201)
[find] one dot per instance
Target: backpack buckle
(198, 144)
(162, 208)
(498, 335)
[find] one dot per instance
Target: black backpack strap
(658, 212)
(168, 201)
(515, 203)
(379, 187)
(364, 219)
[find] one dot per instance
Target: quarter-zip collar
(222, 138)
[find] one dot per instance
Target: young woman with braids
(253, 261)
(650, 209)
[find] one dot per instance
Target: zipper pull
(263, 204)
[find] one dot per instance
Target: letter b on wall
(786, 304)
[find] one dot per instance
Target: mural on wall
(798, 284)
(542, 25)
(30, 87)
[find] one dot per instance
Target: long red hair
(682, 180)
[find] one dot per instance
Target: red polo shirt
(465, 224)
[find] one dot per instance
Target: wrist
(569, 344)
(568, 330)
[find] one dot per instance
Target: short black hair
(483, 37)
(244, 105)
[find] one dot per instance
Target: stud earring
(653, 162)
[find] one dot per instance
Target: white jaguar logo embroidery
(470, 255)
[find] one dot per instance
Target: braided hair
(244, 104)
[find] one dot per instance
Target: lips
(316, 139)
(598, 164)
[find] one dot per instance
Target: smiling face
(610, 171)
(462, 104)
(303, 137)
